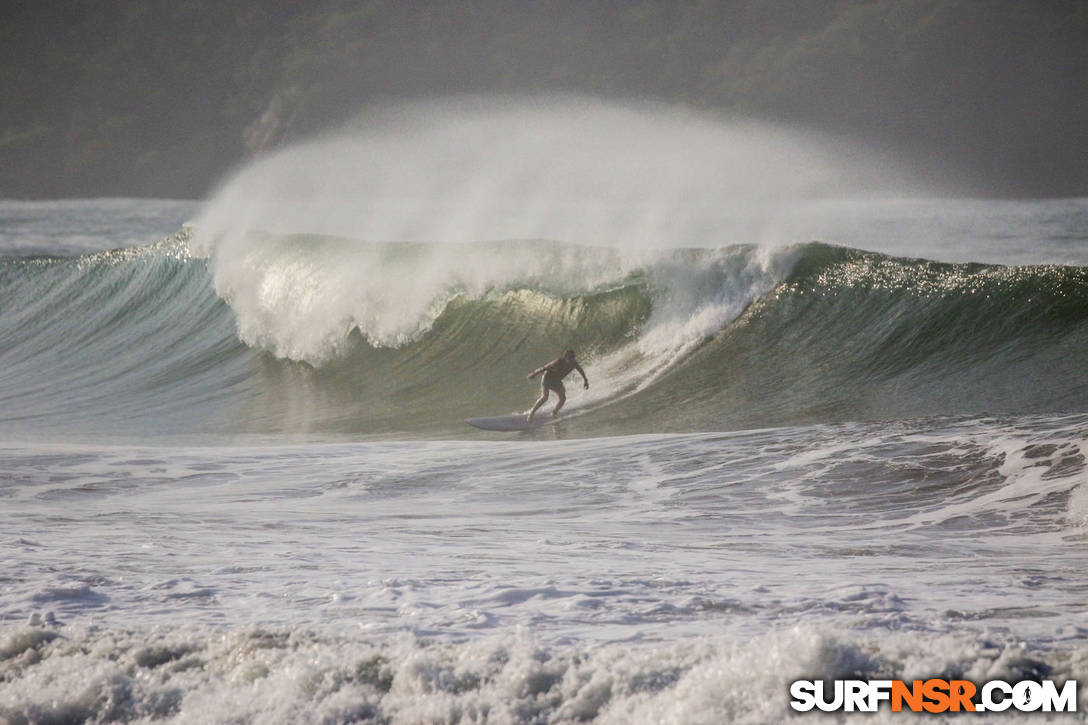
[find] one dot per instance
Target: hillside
(119, 97)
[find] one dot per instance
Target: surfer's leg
(539, 402)
(562, 393)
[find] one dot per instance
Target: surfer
(554, 372)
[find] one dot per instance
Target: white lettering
(1065, 701)
(879, 691)
(821, 697)
(856, 696)
(804, 695)
(988, 701)
(1027, 696)
(993, 696)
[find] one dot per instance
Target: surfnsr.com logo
(933, 695)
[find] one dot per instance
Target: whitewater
(836, 428)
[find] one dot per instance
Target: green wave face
(314, 336)
(851, 335)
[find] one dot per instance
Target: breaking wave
(310, 334)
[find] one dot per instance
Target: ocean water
(238, 488)
(846, 441)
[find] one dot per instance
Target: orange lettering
(961, 692)
(937, 693)
(911, 695)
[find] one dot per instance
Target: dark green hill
(151, 97)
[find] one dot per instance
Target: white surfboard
(512, 422)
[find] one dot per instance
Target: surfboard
(512, 422)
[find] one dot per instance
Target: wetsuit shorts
(551, 381)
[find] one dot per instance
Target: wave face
(131, 337)
(317, 335)
(852, 335)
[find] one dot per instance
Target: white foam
(631, 177)
(301, 298)
(174, 675)
(695, 300)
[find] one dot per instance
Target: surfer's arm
(542, 368)
(585, 380)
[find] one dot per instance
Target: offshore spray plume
(621, 181)
(564, 167)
